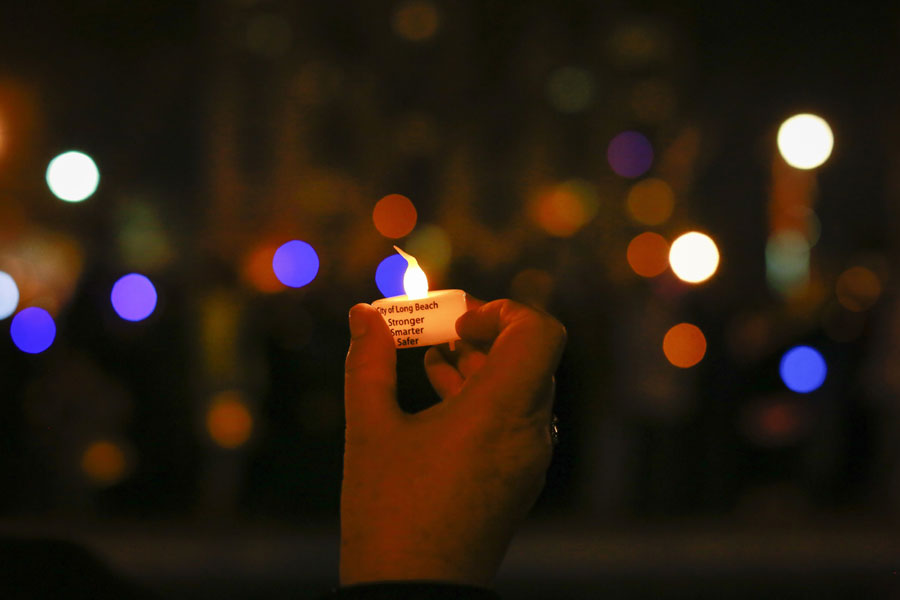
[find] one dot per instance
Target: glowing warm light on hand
(805, 141)
(72, 176)
(415, 284)
(694, 257)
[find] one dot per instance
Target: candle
(420, 317)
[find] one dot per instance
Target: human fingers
(525, 348)
(370, 371)
(443, 376)
(465, 357)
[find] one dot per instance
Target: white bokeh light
(9, 295)
(694, 257)
(73, 176)
(805, 141)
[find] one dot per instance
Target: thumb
(370, 372)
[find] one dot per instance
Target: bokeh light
(805, 141)
(256, 268)
(228, 420)
(630, 154)
(775, 422)
(104, 462)
(295, 263)
(564, 209)
(431, 246)
(787, 261)
(684, 345)
(9, 295)
(858, 288)
(133, 297)
(648, 254)
(33, 330)
(394, 216)
(650, 201)
(570, 89)
(694, 257)
(416, 20)
(803, 369)
(389, 276)
(73, 176)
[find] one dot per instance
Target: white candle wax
(425, 321)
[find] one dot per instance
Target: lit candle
(421, 318)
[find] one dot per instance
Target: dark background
(225, 128)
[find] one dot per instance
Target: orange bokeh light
(648, 254)
(562, 210)
(394, 216)
(684, 345)
(257, 271)
(228, 420)
(104, 462)
(650, 201)
(416, 20)
(858, 288)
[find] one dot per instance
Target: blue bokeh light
(32, 330)
(389, 276)
(803, 369)
(295, 263)
(133, 297)
(630, 154)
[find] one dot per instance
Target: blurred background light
(650, 201)
(694, 257)
(228, 420)
(787, 261)
(389, 276)
(648, 254)
(32, 330)
(684, 345)
(142, 237)
(73, 176)
(394, 216)
(570, 89)
(133, 297)
(416, 21)
(256, 269)
(803, 369)
(9, 295)
(774, 422)
(295, 263)
(431, 246)
(805, 141)
(104, 462)
(562, 210)
(630, 154)
(858, 288)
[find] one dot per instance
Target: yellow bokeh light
(648, 254)
(72, 176)
(694, 257)
(104, 462)
(562, 210)
(416, 20)
(684, 345)
(857, 289)
(228, 420)
(650, 201)
(431, 246)
(805, 141)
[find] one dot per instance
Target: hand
(437, 495)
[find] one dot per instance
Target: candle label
(424, 322)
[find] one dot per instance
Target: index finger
(525, 348)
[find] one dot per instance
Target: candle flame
(415, 284)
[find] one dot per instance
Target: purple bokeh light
(133, 297)
(32, 330)
(630, 154)
(295, 263)
(389, 276)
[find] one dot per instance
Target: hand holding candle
(437, 495)
(421, 318)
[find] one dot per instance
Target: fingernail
(358, 324)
